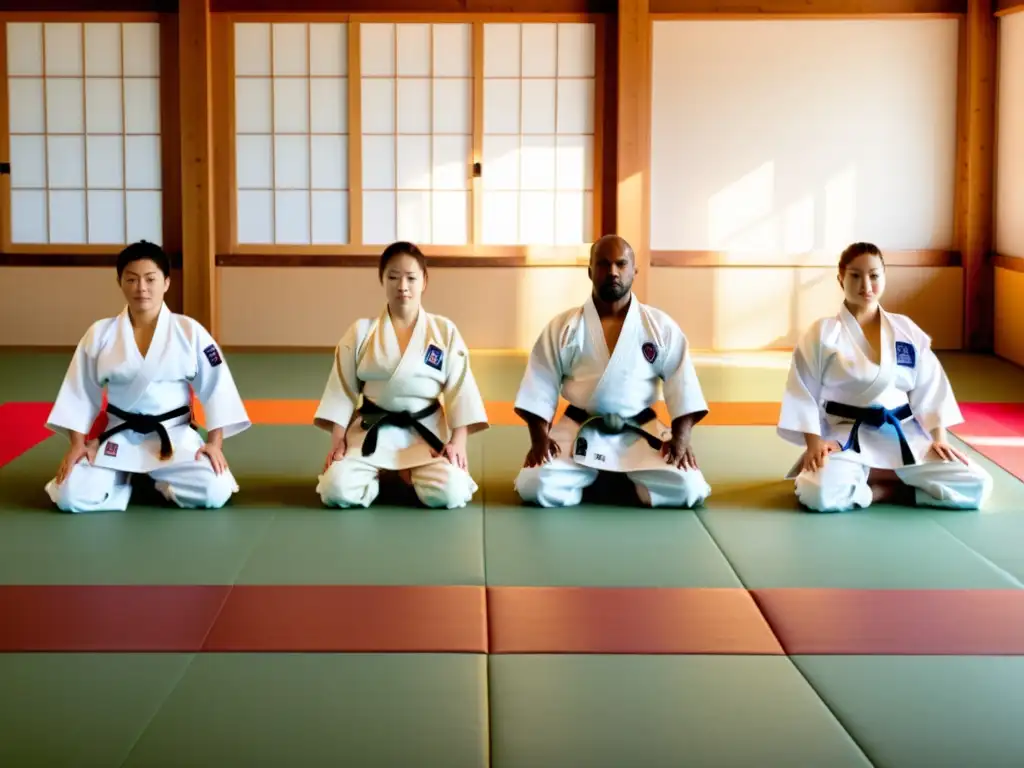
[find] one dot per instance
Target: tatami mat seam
(772, 628)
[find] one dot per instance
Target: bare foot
(892, 493)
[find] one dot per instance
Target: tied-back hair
(140, 251)
(397, 249)
(858, 249)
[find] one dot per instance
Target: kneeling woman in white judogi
(151, 361)
(868, 400)
(400, 363)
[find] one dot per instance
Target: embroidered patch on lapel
(650, 352)
(213, 355)
(110, 450)
(905, 355)
(581, 446)
(434, 357)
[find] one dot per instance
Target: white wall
(1010, 143)
(782, 137)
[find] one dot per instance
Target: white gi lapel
(886, 368)
(149, 364)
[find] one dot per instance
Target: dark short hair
(855, 250)
(397, 249)
(140, 251)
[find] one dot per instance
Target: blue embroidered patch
(213, 355)
(905, 354)
(434, 357)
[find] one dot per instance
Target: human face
(612, 271)
(863, 281)
(404, 282)
(144, 286)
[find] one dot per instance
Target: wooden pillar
(197, 212)
(974, 228)
(633, 144)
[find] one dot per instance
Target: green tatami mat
(322, 710)
(868, 549)
(79, 710)
(145, 545)
(770, 541)
(395, 541)
(590, 545)
(661, 712)
(926, 711)
(33, 376)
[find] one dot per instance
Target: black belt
(876, 416)
(375, 417)
(602, 423)
(145, 424)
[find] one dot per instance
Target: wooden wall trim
(413, 6)
(39, 259)
(974, 229)
(809, 8)
(84, 10)
(443, 261)
(1011, 263)
(633, 137)
(197, 183)
(817, 259)
(1008, 7)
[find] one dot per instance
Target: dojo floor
(276, 633)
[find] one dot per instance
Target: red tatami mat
(883, 622)
(22, 426)
(352, 619)
(996, 431)
(107, 618)
(627, 621)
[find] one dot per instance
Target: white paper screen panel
(538, 143)
(781, 137)
(84, 121)
(1010, 143)
(417, 132)
(291, 133)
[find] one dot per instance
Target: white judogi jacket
(369, 365)
(571, 359)
(832, 363)
(182, 357)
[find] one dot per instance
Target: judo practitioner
(151, 361)
(607, 359)
(382, 402)
(870, 403)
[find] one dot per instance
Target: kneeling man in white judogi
(607, 359)
(151, 362)
(869, 402)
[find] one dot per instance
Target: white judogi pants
(560, 483)
(842, 484)
(190, 485)
(355, 482)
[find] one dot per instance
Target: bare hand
(679, 453)
(816, 457)
(541, 452)
(75, 453)
(215, 454)
(455, 452)
(337, 452)
(947, 452)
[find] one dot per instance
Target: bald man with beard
(607, 359)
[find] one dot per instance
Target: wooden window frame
(230, 252)
(170, 150)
